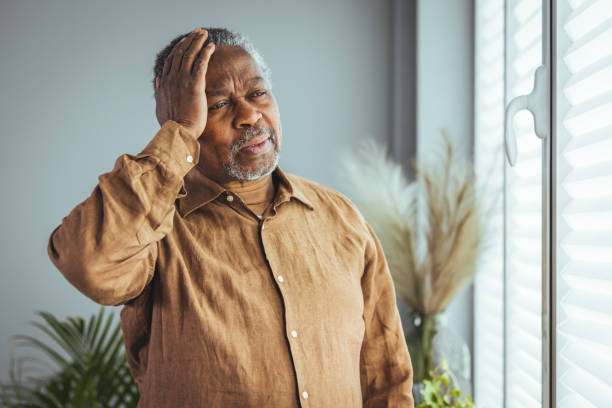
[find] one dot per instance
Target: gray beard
(235, 171)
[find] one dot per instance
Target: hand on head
(180, 92)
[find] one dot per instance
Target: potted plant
(432, 232)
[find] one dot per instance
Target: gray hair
(218, 36)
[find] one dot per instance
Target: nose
(246, 114)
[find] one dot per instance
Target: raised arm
(107, 246)
(386, 369)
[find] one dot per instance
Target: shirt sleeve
(107, 246)
(386, 368)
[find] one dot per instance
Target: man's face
(242, 137)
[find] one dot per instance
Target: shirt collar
(191, 196)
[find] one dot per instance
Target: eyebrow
(224, 91)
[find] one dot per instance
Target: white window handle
(538, 103)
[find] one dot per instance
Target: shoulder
(317, 191)
(336, 211)
(326, 199)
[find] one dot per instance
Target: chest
(309, 259)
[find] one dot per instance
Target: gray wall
(445, 84)
(76, 93)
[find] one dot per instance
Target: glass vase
(430, 341)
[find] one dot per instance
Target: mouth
(257, 146)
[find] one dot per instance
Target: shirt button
(293, 334)
(263, 226)
(305, 395)
(280, 278)
(230, 198)
(190, 158)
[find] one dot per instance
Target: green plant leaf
(94, 374)
(437, 392)
(54, 355)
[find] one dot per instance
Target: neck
(256, 194)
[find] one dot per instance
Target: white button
(230, 198)
(280, 278)
(293, 333)
(305, 395)
(263, 226)
(190, 158)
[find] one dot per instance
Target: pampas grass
(431, 229)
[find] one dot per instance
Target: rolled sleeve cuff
(176, 149)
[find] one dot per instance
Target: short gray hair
(218, 36)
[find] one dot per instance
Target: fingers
(173, 61)
(180, 51)
(201, 65)
(192, 52)
(170, 58)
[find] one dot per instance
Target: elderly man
(242, 286)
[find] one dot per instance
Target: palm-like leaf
(88, 367)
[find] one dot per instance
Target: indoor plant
(432, 232)
(442, 391)
(87, 366)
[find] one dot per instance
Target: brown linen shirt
(224, 309)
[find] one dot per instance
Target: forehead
(231, 66)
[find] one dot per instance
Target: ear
(156, 83)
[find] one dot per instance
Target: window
(489, 161)
(583, 123)
(543, 294)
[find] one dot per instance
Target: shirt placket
(283, 283)
(293, 330)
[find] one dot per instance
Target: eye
(218, 106)
(258, 94)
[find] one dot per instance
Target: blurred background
(77, 93)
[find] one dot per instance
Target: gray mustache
(251, 133)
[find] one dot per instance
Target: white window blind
(584, 203)
(489, 164)
(508, 287)
(523, 197)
